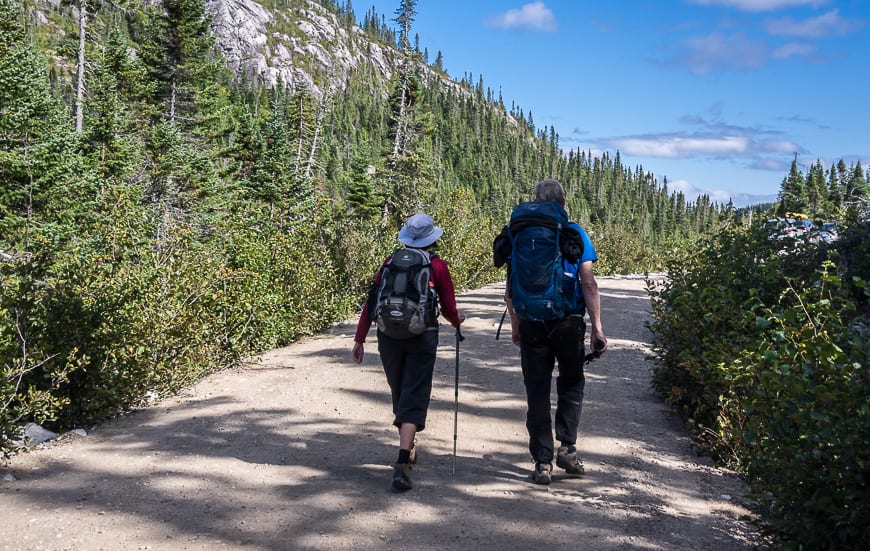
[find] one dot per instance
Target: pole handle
(597, 347)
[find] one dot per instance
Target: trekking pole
(459, 337)
(497, 333)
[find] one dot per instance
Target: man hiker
(544, 341)
(411, 280)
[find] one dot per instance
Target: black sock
(404, 456)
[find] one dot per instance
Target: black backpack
(404, 303)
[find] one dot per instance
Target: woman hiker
(409, 360)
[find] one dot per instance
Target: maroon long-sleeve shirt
(443, 286)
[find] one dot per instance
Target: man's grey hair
(550, 190)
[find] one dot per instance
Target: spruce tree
(857, 191)
(34, 137)
(793, 192)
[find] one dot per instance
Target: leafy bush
(99, 323)
(698, 326)
(622, 251)
(761, 345)
(803, 391)
(467, 242)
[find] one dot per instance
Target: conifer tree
(116, 108)
(842, 178)
(857, 191)
(33, 139)
(835, 189)
(817, 190)
(793, 192)
(178, 49)
(361, 195)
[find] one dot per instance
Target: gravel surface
(293, 451)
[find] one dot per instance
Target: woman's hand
(358, 352)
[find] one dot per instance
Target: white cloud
(779, 146)
(760, 5)
(674, 147)
(536, 16)
(737, 51)
(827, 24)
(774, 165)
(794, 49)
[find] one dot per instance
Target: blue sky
(714, 95)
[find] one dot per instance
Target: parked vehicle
(796, 225)
(828, 232)
(782, 228)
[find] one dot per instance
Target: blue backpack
(537, 244)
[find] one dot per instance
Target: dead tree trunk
(80, 81)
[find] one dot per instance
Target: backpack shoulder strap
(501, 247)
(571, 244)
(427, 255)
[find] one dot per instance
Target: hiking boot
(542, 473)
(568, 460)
(401, 480)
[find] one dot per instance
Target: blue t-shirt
(572, 269)
(589, 254)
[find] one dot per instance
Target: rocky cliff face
(294, 45)
(300, 43)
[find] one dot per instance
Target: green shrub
(803, 389)
(467, 242)
(135, 305)
(698, 326)
(761, 346)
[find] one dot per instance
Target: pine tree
(34, 140)
(439, 62)
(361, 195)
(816, 190)
(835, 188)
(178, 49)
(842, 178)
(793, 192)
(857, 191)
(112, 109)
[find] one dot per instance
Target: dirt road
(294, 451)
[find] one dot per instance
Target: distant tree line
(825, 193)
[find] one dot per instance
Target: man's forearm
(593, 303)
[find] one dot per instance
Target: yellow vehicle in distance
(796, 216)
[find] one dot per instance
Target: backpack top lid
(547, 214)
(539, 213)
